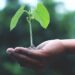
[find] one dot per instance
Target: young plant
(39, 14)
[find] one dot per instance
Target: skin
(44, 53)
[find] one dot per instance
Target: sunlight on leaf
(16, 17)
(41, 15)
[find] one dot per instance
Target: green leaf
(16, 17)
(41, 14)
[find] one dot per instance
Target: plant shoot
(39, 13)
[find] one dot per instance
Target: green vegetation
(39, 14)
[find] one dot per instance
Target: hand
(37, 57)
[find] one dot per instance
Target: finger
(40, 55)
(10, 50)
(28, 52)
(26, 61)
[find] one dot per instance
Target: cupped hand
(39, 56)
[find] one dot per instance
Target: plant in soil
(39, 13)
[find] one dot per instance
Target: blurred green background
(62, 26)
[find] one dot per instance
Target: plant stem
(31, 35)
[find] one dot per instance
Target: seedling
(39, 13)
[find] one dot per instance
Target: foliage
(40, 14)
(16, 17)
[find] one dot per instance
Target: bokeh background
(62, 26)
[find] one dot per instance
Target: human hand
(37, 57)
